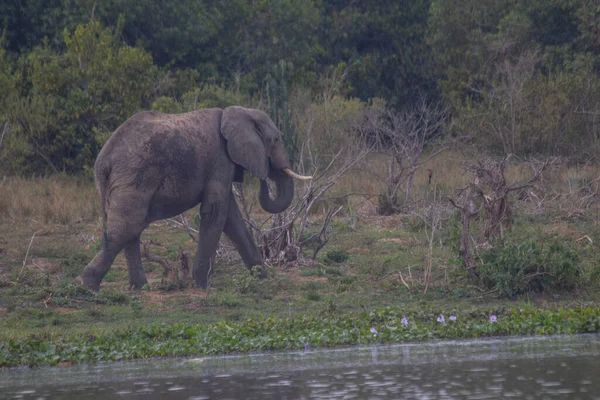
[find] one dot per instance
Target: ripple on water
(479, 369)
(317, 384)
(482, 396)
(560, 391)
(544, 383)
(279, 383)
(513, 393)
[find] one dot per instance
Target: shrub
(533, 265)
(338, 256)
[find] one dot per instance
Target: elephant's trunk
(285, 192)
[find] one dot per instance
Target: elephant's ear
(244, 145)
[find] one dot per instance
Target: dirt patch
(358, 250)
(295, 277)
(564, 230)
(44, 265)
(322, 279)
(12, 252)
(158, 297)
(397, 240)
(64, 309)
(288, 297)
(389, 221)
(367, 209)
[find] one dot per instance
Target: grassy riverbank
(374, 271)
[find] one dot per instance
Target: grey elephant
(158, 165)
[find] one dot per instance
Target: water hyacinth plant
(296, 332)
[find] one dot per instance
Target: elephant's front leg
(236, 230)
(213, 214)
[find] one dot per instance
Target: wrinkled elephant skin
(159, 165)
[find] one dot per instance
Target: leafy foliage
(511, 71)
(76, 99)
(314, 330)
(520, 76)
(532, 265)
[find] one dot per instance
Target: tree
(489, 186)
(384, 47)
(401, 137)
(71, 102)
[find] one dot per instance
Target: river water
(557, 367)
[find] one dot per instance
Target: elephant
(158, 165)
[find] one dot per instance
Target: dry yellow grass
(66, 200)
(55, 200)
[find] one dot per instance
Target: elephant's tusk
(295, 175)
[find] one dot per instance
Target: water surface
(559, 367)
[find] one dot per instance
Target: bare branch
(401, 137)
(183, 224)
(4, 131)
(283, 241)
(171, 272)
(26, 254)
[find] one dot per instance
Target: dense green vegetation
(520, 76)
(304, 332)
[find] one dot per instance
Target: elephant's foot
(137, 283)
(261, 272)
(201, 284)
(137, 279)
(201, 274)
(87, 281)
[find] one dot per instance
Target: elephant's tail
(102, 173)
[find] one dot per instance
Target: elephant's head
(254, 143)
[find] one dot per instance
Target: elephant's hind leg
(94, 272)
(137, 278)
(126, 221)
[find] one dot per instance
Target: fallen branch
(26, 254)
(403, 281)
(47, 301)
(4, 131)
(171, 272)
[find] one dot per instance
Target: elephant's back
(166, 152)
(143, 126)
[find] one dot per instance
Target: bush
(338, 256)
(533, 265)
